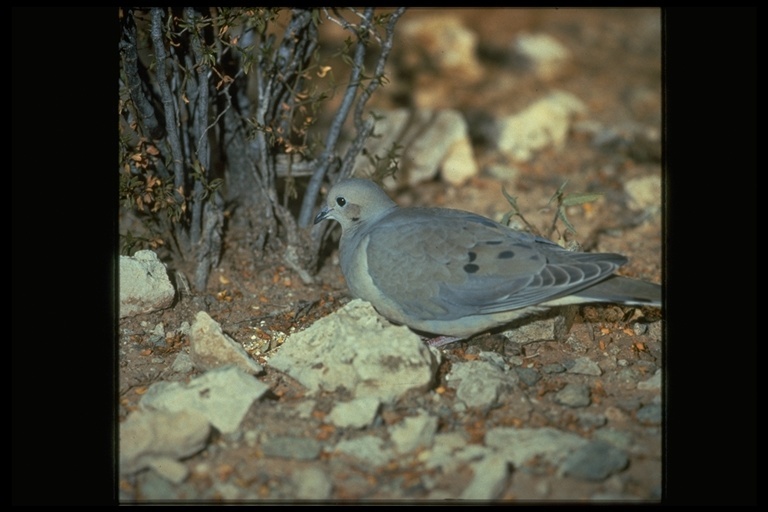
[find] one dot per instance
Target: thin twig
(364, 129)
(313, 187)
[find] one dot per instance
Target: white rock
(544, 52)
(450, 451)
(439, 42)
(144, 284)
(414, 432)
(490, 474)
(357, 349)
(431, 141)
(644, 193)
(170, 469)
(543, 124)
(210, 348)
(357, 413)
(368, 448)
(152, 438)
(312, 484)
(223, 396)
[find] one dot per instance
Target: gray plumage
(455, 273)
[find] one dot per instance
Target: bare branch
(364, 128)
(171, 121)
(343, 23)
(199, 118)
(313, 188)
(261, 123)
(147, 115)
(298, 44)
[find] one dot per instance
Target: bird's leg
(440, 341)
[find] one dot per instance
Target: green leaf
(559, 194)
(576, 199)
(564, 219)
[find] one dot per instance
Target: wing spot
(472, 256)
(471, 268)
(505, 255)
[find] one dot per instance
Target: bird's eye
(341, 201)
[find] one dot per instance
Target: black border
(64, 245)
(710, 274)
(64, 242)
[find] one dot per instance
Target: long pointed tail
(624, 290)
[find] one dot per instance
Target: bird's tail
(623, 290)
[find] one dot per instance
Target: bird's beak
(323, 214)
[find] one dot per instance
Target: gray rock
(656, 331)
(450, 451)
(479, 383)
(144, 284)
(595, 461)
(226, 491)
(628, 376)
(369, 449)
(183, 363)
(585, 366)
(649, 414)
(553, 368)
(529, 376)
(646, 367)
(519, 445)
(620, 439)
(550, 325)
(641, 143)
(494, 358)
(288, 447)
(573, 395)
(591, 420)
(157, 335)
(652, 383)
(154, 487)
(183, 329)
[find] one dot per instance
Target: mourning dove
(455, 273)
